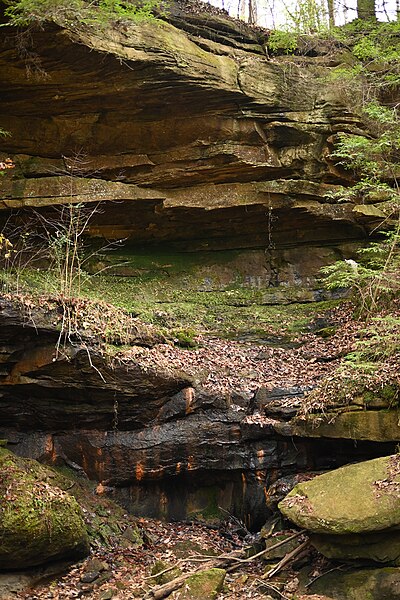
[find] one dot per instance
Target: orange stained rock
(49, 448)
(99, 463)
(30, 361)
(260, 476)
(189, 396)
(163, 503)
(99, 468)
(100, 489)
(85, 464)
(139, 471)
(235, 432)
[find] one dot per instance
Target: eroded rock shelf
(209, 162)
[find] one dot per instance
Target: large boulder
(358, 498)
(38, 521)
(363, 584)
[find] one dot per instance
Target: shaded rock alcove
(184, 142)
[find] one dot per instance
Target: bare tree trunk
(331, 13)
(252, 6)
(271, 8)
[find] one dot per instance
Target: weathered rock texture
(357, 498)
(150, 435)
(353, 511)
(186, 133)
(38, 521)
(127, 424)
(376, 584)
(180, 133)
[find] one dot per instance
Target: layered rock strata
(151, 436)
(183, 132)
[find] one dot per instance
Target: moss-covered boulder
(203, 586)
(38, 521)
(357, 498)
(362, 584)
(164, 572)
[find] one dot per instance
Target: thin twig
(338, 568)
(277, 545)
(94, 366)
(165, 590)
(272, 587)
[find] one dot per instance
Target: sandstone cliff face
(187, 136)
(187, 133)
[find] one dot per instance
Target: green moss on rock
(38, 521)
(204, 585)
(372, 425)
(356, 498)
(363, 584)
(164, 572)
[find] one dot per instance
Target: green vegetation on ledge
(22, 13)
(181, 314)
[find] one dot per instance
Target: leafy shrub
(374, 157)
(185, 338)
(307, 16)
(282, 41)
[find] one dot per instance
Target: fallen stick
(273, 588)
(286, 559)
(166, 589)
(277, 545)
(338, 568)
(225, 560)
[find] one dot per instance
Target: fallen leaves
(123, 573)
(6, 164)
